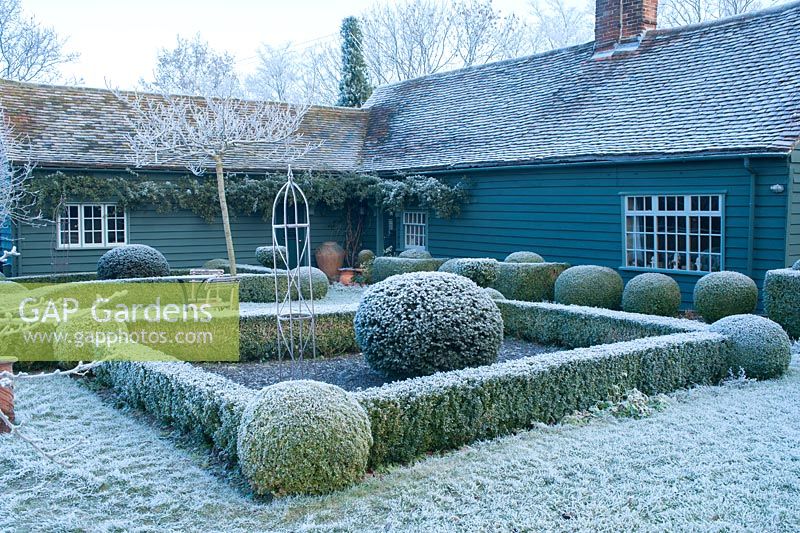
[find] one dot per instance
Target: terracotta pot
(330, 258)
(6, 396)
(346, 275)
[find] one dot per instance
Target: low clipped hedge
(448, 410)
(574, 326)
(384, 267)
(258, 335)
(589, 285)
(528, 282)
(224, 264)
(483, 271)
(261, 287)
(726, 293)
(782, 299)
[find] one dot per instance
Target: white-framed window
(682, 232)
(92, 226)
(415, 229)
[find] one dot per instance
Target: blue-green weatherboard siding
(574, 213)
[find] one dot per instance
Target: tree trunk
(226, 221)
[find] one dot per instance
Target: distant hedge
(384, 267)
(529, 282)
(782, 299)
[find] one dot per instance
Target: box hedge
(782, 299)
(384, 267)
(529, 282)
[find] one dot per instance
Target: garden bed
(350, 372)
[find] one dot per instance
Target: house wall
(793, 226)
(185, 239)
(575, 213)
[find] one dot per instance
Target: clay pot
(330, 258)
(6, 395)
(346, 275)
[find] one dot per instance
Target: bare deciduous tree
(192, 68)
(17, 204)
(28, 50)
(682, 12)
(277, 75)
(557, 24)
(203, 132)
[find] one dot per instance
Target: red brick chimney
(622, 22)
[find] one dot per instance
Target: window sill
(95, 247)
(668, 271)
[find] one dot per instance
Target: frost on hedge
(482, 271)
(132, 261)
(385, 267)
(448, 410)
(193, 400)
(589, 285)
(756, 345)
(365, 257)
(261, 287)
(782, 298)
(652, 294)
(529, 282)
(576, 326)
(796, 265)
(303, 437)
(524, 257)
(494, 294)
(266, 255)
(415, 253)
(725, 293)
(426, 322)
(224, 264)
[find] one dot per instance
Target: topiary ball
(319, 282)
(365, 257)
(652, 294)
(589, 285)
(266, 255)
(425, 322)
(756, 344)
(132, 261)
(303, 437)
(524, 257)
(415, 253)
(494, 294)
(482, 271)
(726, 293)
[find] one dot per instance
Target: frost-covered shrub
(782, 299)
(132, 261)
(652, 294)
(589, 285)
(426, 322)
(385, 267)
(188, 397)
(224, 264)
(796, 265)
(529, 282)
(8, 287)
(266, 255)
(726, 293)
(482, 271)
(575, 327)
(448, 410)
(319, 282)
(756, 345)
(494, 294)
(365, 257)
(415, 253)
(261, 287)
(303, 437)
(524, 257)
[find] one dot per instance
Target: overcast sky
(117, 40)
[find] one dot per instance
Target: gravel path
(350, 372)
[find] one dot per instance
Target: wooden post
(7, 395)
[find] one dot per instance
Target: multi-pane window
(415, 229)
(92, 226)
(674, 232)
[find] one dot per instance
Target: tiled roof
(81, 127)
(722, 87)
(726, 87)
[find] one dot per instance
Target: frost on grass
(718, 458)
